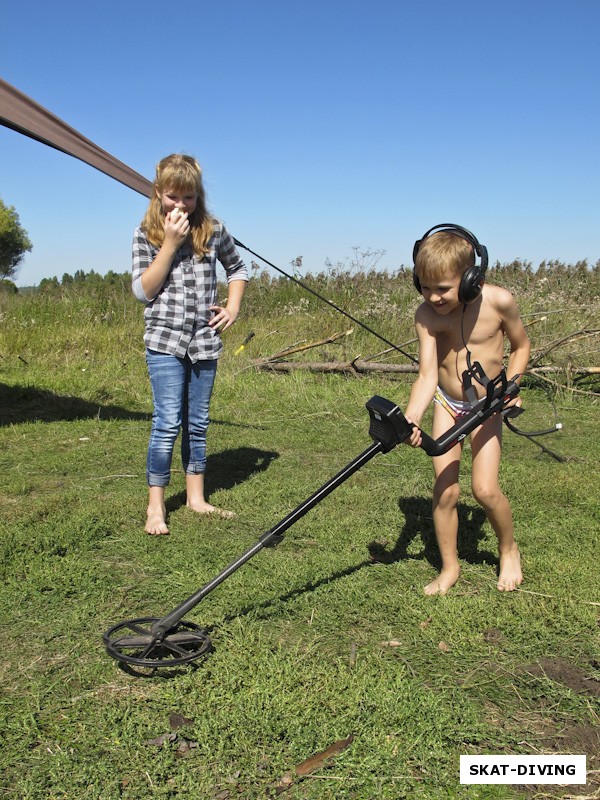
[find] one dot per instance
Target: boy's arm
(423, 389)
(516, 334)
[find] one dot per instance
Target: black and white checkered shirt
(177, 318)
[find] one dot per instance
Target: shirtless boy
(462, 316)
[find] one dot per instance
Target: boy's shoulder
(498, 295)
(427, 317)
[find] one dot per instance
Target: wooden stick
(361, 365)
(289, 350)
(571, 370)
(575, 336)
(566, 388)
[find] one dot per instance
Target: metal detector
(172, 640)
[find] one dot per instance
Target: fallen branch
(563, 386)
(570, 370)
(571, 337)
(300, 348)
(361, 365)
(390, 350)
(312, 764)
(334, 366)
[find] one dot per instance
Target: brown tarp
(22, 114)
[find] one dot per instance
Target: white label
(559, 769)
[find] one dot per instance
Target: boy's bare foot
(156, 521)
(510, 570)
(444, 581)
(206, 508)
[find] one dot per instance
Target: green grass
(301, 633)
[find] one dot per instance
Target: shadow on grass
(418, 522)
(20, 404)
(227, 469)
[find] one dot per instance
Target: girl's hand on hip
(222, 319)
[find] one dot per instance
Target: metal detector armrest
(499, 393)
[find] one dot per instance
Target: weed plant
(329, 635)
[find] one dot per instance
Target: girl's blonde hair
(443, 255)
(179, 173)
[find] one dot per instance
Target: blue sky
(321, 126)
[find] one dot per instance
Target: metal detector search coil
(170, 641)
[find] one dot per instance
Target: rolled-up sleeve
(234, 267)
(142, 256)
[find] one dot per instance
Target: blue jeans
(181, 393)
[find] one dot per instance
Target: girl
(175, 251)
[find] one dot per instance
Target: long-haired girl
(175, 253)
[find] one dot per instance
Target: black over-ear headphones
(473, 279)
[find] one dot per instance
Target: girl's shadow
(227, 469)
(418, 522)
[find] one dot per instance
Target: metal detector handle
(502, 393)
(389, 426)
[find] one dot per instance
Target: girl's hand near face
(177, 227)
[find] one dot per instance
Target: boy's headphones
(473, 278)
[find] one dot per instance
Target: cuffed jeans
(181, 393)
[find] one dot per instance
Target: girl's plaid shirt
(177, 318)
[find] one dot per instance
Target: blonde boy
(454, 320)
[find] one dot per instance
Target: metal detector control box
(388, 425)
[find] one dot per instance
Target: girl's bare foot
(510, 570)
(202, 507)
(444, 581)
(156, 521)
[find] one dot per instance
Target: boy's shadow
(226, 469)
(418, 522)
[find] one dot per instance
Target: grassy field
(326, 641)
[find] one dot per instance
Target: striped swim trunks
(457, 408)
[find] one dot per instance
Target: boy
(460, 313)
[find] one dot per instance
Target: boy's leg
(486, 447)
(201, 377)
(445, 500)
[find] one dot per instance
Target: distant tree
(48, 284)
(8, 287)
(14, 241)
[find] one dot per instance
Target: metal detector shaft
(170, 641)
(388, 428)
(270, 537)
